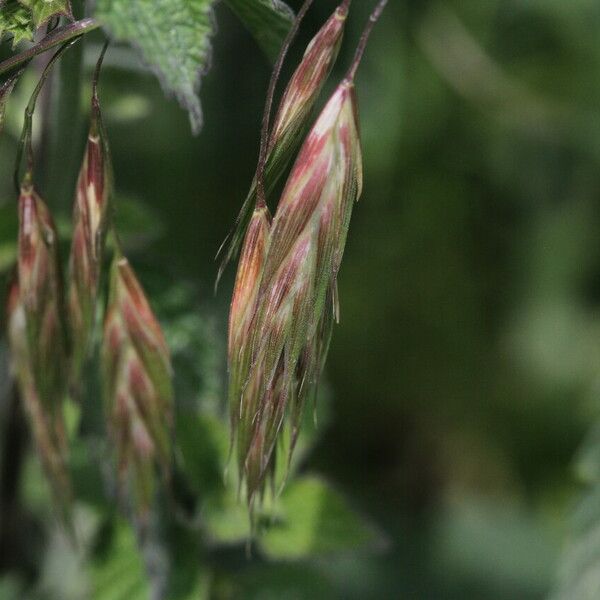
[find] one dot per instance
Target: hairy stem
(56, 38)
(261, 199)
(364, 38)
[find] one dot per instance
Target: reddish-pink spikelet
(46, 425)
(296, 302)
(310, 75)
(41, 294)
(137, 384)
(90, 215)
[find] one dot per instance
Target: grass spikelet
(48, 429)
(291, 119)
(137, 385)
(89, 233)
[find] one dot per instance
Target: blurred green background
(463, 376)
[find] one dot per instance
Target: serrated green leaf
(43, 10)
(267, 20)
(314, 519)
(173, 37)
(16, 21)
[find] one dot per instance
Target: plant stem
(364, 38)
(56, 38)
(25, 141)
(66, 129)
(261, 199)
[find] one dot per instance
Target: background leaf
(119, 573)
(579, 575)
(16, 21)
(174, 39)
(314, 519)
(42, 10)
(267, 20)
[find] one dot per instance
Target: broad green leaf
(314, 519)
(42, 10)
(226, 518)
(202, 440)
(119, 573)
(173, 37)
(267, 20)
(16, 21)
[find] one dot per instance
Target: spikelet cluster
(285, 296)
(50, 336)
(137, 384)
(291, 118)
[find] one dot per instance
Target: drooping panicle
(297, 297)
(137, 385)
(40, 283)
(291, 119)
(90, 215)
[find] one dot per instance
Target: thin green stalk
(56, 38)
(364, 38)
(66, 129)
(25, 146)
(261, 199)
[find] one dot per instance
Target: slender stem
(364, 38)
(261, 198)
(65, 128)
(25, 141)
(95, 101)
(56, 38)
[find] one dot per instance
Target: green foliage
(579, 574)
(312, 520)
(20, 18)
(118, 572)
(16, 21)
(267, 20)
(173, 37)
(43, 10)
